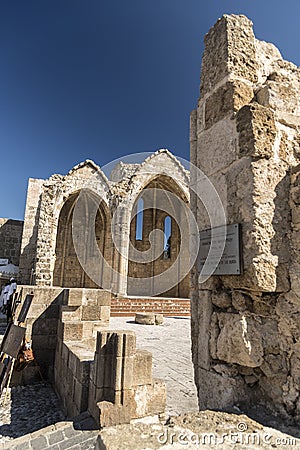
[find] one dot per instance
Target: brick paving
(170, 345)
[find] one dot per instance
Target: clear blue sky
(100, 79)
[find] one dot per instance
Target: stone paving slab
(170, 345)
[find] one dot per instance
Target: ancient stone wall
(56, 314)
(49, 256)
(99, 370)
(245, 138)
(121, 386)
(10, 240)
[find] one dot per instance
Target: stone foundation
(121, 383)
(108, 228)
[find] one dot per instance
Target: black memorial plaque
(220, 251)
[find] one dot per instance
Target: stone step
(129, 306)
(131, 314)
(150, 307)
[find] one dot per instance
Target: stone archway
(167, 245)
(68, 271)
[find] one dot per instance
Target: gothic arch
(57, 203)
(68, 270)
(155, 213)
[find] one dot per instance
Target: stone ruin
(245, 328)
(94, 368)
(245, 136)
(48, 256)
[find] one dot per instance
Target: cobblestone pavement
(27, 409)
(170, 345)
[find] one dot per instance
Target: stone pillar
(244, 137)
(121, 385)
(46, 238)
(30, 230)
(121, 236)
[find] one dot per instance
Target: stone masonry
(58, 314)
(245, 138)
(94, 368)
(100, 370)
(48, 254)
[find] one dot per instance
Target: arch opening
(68, 271)
(166, 243)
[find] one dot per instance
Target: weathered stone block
(111, 414)
(227, 99)
(218, 392)
(70, 313)
(257, 131)
(200, 326)
(142, 368)
(72, 331)
(221, 299)
(221, 140)
(159, 318)
(279, 95)
(240, 340)
(91, 312)
(150, 399)
(229, 50)
(103, 297)
(122, 374)
(145, 318)
(73, 297)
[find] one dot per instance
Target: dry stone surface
(245, 136)
(206, 429)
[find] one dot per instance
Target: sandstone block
(227, 99)
(91, 312)
(257, 131)
(72, 331)
(229, 49)
(111, 414)
(159, 318)
(193, 125)
(240, 340)
(220, 140)
(73, 297)
(70, 313)
(218, 392)
(145, 318)
(122, 375)
(200, 326)
(221, 299)
(150, 399)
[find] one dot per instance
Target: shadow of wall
(29, 244)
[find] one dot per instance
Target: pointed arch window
(139, 220)
(167, 237)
